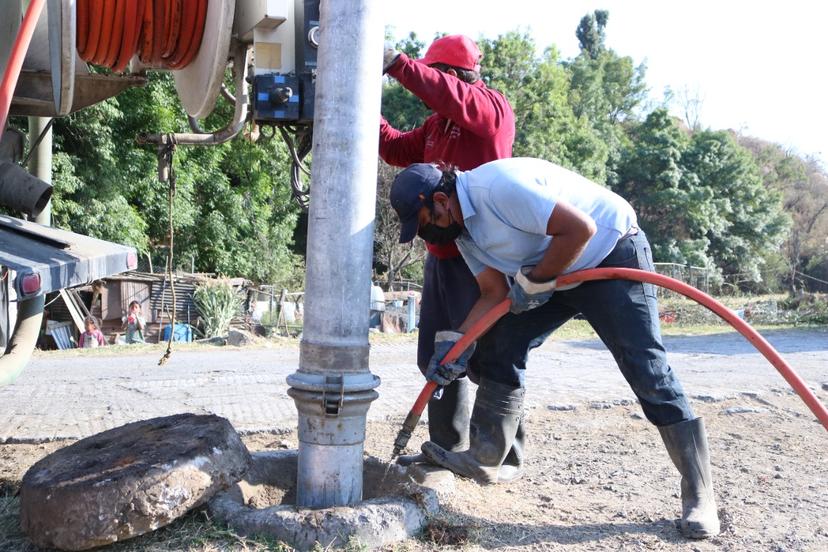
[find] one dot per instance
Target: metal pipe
(24, 339)
(30, 312)
(333, 386)
(22, 191)
(40, 162)
(241, 61)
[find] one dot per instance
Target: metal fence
(697, 276)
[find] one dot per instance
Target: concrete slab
(262, 504)
(129, 480)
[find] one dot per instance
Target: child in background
(135, 324)
(92, 337)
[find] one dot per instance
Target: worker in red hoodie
(471, 124)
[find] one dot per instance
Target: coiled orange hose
(165, 34)
(496, 312)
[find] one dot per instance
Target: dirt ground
(597, 479)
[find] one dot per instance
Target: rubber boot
(687, 444)
(512, 467)
(448, 421)
(497, 414)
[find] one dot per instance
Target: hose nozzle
(404, 434)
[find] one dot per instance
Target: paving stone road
(73, 396)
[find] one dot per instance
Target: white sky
(759, 67)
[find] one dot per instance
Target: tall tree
(605, 88)
(232, 211)
(537, 88)
(803, 184)
(590, 32)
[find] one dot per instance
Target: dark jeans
(623, 313)
(449, 293)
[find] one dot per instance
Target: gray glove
(526, 295)
(389, 57)
(447, 373)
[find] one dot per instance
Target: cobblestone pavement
(73, 396)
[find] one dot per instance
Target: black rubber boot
(687, 444)
(497, 414)
(448, 421)
(512, 467)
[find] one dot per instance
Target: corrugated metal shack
(108, 300)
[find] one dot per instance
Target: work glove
(447, 373)
(526, 295)
(389, 57)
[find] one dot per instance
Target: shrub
(218, 302)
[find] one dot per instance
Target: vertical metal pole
(334, 387)
(40, 163)
(412, 313)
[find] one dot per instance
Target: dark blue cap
(410, 191)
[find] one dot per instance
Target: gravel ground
(597, 477)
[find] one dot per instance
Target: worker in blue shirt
(520, 223)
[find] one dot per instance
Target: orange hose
(159, 15)
(761, 344)
(82, 26)
(477, 329)
(173, 29)
(95, 24)
(163, 33)
(195, 44)
(114, 46)
(16, 57)
(185, 38)
(107, 27)
(723, 312)
(133, 14)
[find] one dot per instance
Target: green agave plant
(218, 303)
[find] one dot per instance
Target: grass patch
(194, 532)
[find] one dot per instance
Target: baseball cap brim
(410, 191)
(408, 229)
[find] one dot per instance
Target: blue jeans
(449, 293)
(623, 313)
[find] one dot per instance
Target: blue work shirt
(506, 206)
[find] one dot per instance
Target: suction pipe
(333, 387)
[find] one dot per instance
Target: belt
(629, 233)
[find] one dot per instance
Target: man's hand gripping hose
(489, 319)
(479, 328)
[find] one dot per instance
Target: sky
(757, 67)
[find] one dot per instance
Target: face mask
(437, 235)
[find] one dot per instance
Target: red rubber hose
(163, 33)
(720, 310)
(18, 54)
(478, 328)
(496, 312)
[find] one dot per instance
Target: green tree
(803, 184)
(537, 88)
(232, 211)
(745, 218)
(700, 198)
(652, 179)
(590, 32)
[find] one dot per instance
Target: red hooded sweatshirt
(471, 125)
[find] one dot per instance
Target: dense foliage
(742, 207)
(232, 212)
